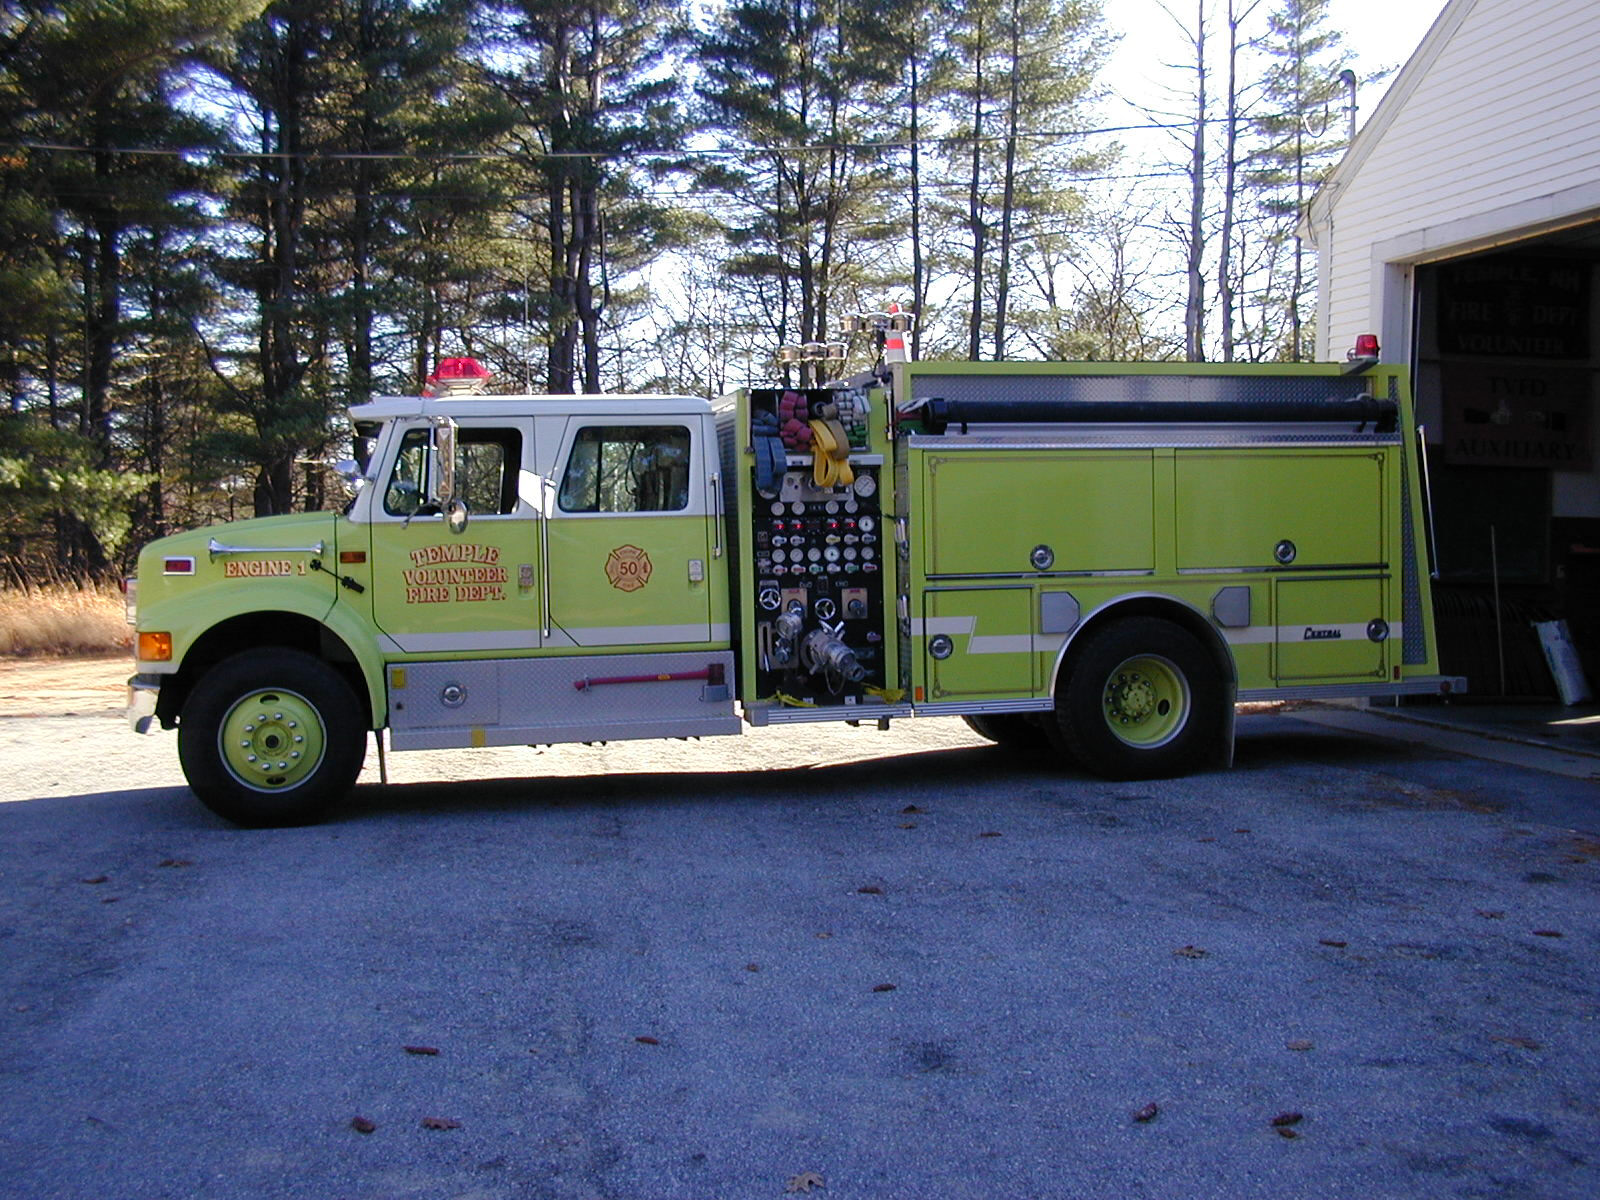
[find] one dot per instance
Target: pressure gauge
(831, 554)
(866, 485)
(867, 552)
(831, 508)
(814, 554)
(798, 508)
(866, 524)
(778, 508)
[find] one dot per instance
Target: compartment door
(990, 635)
(1325, 630)
(1236, 508)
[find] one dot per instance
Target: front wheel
(271, 737)
(1141, 699)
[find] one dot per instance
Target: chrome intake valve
(824, 652)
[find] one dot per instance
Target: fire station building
(1463, 226)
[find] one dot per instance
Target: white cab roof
(388, 407)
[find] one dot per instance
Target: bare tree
(1237, 15)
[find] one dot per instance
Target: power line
(205, 153)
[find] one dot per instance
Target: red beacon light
(1366, 347)
(457, 377)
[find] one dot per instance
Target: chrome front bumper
(142, 690)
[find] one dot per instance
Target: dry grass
(63, 620)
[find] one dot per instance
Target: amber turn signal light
(155, 647)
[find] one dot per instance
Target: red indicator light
(177, 566)
(1366, 346)
(352, 557)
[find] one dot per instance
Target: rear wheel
(271, 737)
(1141, 699)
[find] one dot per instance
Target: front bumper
(141, 712)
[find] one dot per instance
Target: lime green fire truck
(1099, 558)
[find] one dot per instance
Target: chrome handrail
(214, 548)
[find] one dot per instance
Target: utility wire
(703, 152)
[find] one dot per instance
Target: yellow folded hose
(830, 449)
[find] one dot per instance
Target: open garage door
(1507, 363)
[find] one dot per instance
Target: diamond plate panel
(1267, 390)
(522, 700)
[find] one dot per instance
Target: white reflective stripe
(528, 639)
(1001, 643)
(636, 635)
(954, 626)
(988, 643)
(1256, 635)
(432, 643)
(1252, 635)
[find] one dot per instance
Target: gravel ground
(903, 964)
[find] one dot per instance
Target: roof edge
(1444, 27)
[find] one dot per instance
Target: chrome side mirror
(442, 479)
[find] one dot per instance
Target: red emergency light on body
(1366, 346)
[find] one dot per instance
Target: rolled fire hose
(830, 449)
(767, 442)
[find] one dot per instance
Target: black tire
(1024, 732)
(1141, 699)
(295, 738)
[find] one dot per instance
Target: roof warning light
(457, 377)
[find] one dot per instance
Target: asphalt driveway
(752, 967)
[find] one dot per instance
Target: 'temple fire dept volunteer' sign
(462, 571)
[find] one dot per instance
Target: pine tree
(1024, 72)
(95, 83)
(797, 93)
(598, 117)
(278, 73)
(1301, 137)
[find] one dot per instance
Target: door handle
(714, 488)
(545, 494)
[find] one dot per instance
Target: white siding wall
(1500, 134)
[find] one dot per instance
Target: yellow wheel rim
(1145, 701)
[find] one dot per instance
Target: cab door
(439, 592)
(629, 532)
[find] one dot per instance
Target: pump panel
(819, 570)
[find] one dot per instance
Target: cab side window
(408, 482)
(487, 461)
(627, 469)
